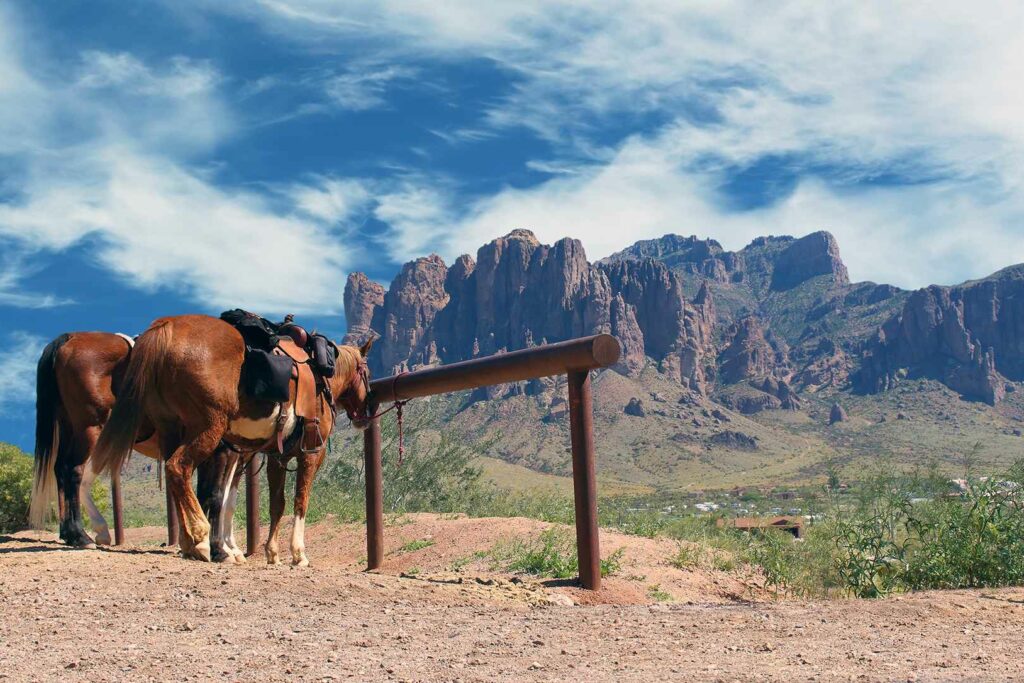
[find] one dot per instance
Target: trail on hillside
(140, 613)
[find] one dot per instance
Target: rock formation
(518, 293)
(971, 337)
(754, 329)
(362, 299)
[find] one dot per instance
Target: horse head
(353, 391)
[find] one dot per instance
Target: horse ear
(367, 345)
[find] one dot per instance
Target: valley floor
(139, 613)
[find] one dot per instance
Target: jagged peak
(524, 235)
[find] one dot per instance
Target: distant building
(793, 525)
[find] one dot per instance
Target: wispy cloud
(696, 93)
(364, 87)
(17, 369)
(111, 152)
(13, 269)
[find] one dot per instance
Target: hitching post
(118, 503)
(374, 495)
(584, 482)
(172, 514)
(252, 506)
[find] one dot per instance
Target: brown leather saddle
(310, 397)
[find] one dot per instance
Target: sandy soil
(441, 614)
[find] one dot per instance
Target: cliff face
(775, 263)
(971, 337)
(518, 293)
(755, 327)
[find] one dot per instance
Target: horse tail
(44, 482)
(119, 434)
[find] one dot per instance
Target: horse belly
(262, 428)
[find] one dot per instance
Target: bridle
(349, 398)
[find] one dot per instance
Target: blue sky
(196, 155)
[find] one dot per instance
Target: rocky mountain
(970, 337)
(518, 293)
(775, 326)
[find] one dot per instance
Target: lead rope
(401, 434)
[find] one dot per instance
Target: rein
(397, 406)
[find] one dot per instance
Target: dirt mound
(141, 613)
(429, 547)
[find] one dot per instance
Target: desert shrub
(630, 516)
(15, 487)
(414, 545)
(436, 473)
(974, 542)
(687, 556)
(551, 554)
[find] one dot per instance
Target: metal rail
(574, 358)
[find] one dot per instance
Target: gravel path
(143, 614)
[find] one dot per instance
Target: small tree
(15, 487)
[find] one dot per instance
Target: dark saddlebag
(257, 332)
(322, 355)
(267, 376)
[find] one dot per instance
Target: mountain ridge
(774, 328)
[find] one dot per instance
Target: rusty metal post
(581, 428)
(374, 496)
(252, 506)
(172, 514)
(118, 504)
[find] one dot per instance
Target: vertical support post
(252, 506)
(117, 502)
(172, 514)
(374, 496)
(581, 428)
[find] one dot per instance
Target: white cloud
(926, 93)
(364, 87)
(909, 236)
(330, 200)
(18, 367)
(13, 269)
(110, 152)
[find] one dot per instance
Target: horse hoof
(239, 559)
(220, 555)
(300, 562)
(103, 537)
(81, 542)
(201, 552)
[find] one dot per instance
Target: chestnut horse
(76, 381)
(77, 378)
(183, 379)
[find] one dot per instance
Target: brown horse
(76, 381)
(183, 378)
(77, 378)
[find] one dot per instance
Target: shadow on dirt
(38, 545)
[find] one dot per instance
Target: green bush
(436, 473)
(552, 554)
(15, 487)
(969, 543)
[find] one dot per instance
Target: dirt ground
(440, 613)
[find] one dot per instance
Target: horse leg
(99, 525)
(71, 474)
(215, 476)
(229, 513)
(276, 474)
(307, 469)
(195, 529)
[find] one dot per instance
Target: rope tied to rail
(397, 406)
